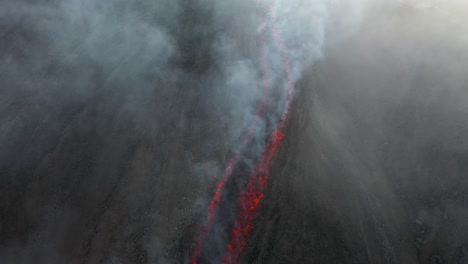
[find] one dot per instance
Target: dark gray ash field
(118, 119)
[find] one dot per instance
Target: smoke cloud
(118, 117)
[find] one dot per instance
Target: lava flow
(212, 209)
(253, 191)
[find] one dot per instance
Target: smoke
(382, 117)
(118, 117)
(96, 94)
(302, 26)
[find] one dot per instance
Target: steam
(295, 35)
(146, 66)
(117, 117)
(138, 64)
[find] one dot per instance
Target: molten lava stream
(214, 204)
(253, 192)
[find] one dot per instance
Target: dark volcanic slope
(374, 167)
(108, 157)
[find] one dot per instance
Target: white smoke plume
(96, 95)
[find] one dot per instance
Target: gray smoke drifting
(95, 96)
(373, 170)
(118, 117)
(241, 70)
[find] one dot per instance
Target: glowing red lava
(212, 209)
(253, 192)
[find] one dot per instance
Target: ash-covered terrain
(118, 118)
